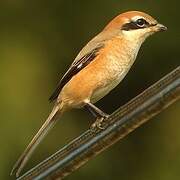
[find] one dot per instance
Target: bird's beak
(160, 27)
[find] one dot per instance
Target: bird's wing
(82, 60)
(86, 55)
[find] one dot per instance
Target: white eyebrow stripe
(137, 17)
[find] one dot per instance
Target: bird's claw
(98, 124)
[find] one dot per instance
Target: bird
(98, 68)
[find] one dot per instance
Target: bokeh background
(39, 40)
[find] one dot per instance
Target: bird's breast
(115, 65)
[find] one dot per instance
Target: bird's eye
(135, 24)
(141, 22)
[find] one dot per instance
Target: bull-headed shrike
(98, 68)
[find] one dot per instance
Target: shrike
(99, 67)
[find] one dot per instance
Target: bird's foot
(99, 123)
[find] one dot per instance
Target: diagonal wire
(120, 123)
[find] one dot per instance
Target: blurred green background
(39, 40)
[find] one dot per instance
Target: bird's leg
(100, 115)
(95, 111)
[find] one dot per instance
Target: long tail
(46, 127)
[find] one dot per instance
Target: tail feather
(46, 127)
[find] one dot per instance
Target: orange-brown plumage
(99, 67)
(124, 17)
(84, 85)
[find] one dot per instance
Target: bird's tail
(46, 127)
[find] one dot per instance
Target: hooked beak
(160, 27)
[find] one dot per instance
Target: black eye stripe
(136, 25)
(130, 26)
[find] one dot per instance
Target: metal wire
(120, 123)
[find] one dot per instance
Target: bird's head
(135, 25)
